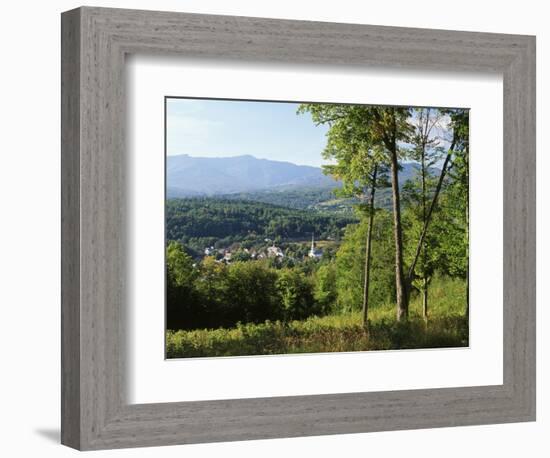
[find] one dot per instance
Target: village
(277, 253)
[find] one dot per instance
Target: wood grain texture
(95, 411)
(70, 229)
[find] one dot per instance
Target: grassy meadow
(447, 326)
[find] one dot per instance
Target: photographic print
(298, 227)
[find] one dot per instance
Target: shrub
(296, 294)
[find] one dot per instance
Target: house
(275, 252)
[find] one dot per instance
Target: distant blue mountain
(189, 176)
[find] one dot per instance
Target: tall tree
(460, 177)
(358, 166)
(447, 162)
(181, 275)
(427, 152)
(392, 123)
(456, 157)
(375, 133)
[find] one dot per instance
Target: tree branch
(329, 120)
(430, 211)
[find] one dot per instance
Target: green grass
(447, 326)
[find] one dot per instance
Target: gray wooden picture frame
(95, 412)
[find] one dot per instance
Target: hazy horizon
(272, 160)
(243, 155)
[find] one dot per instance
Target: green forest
(221, 222)
(373, 263)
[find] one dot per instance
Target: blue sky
(222, 128)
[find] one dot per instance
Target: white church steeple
(314, 252)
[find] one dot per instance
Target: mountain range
(189, 176)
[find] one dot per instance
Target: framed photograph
(267, 256)
(278, 228)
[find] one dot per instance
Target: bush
(296, 294)
(251, 294)
(325, 293)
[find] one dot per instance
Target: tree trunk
(424, 247)
(368, 253)
(400, 283)
(425, 298)
(468, 291)
(468, 254)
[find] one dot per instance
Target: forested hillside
(202, 222)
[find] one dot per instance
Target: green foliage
(358, 143)
(296, 293)
(413, 222)
(455, 203)
(350, 264)
(241, 256)
(179, 265)
(211, 294)
(222, 295)
(301, 198)
(359, 136)
(202, 222)
(251, 293)
(451, 226)
(212, 281)
(447, 327)
(325, 293)
(180, 279)
(317, 335)
(445, 247)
